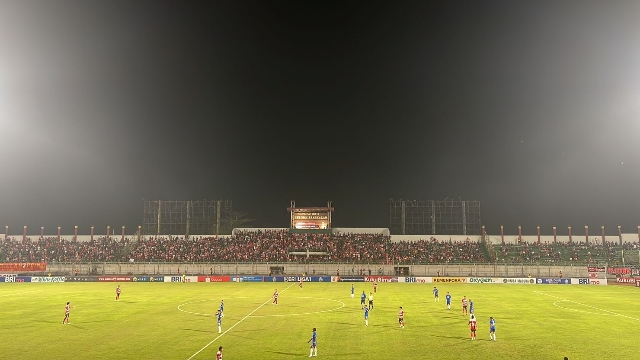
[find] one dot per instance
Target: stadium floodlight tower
(310, 218)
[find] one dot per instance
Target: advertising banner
(20, 267)
(80, 279)
(415, 279)
(246, 278)
(625, 280)
(15, 279)
(561, 281)
(178, 278)
(484, 280)
(593, 269)
(518, 281)
(381, 279)
(209, 278)
(623, 271)
(588, 281)
(114, 278)
(637, 282)
(450, 280)
(273, 278)
(8, 277)
(349, 278)
(148, 279)
(47, 279)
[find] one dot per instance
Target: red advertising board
(20, 267)
(379, 279)
(114, 278)
(593, 269)
(214, 278)
(625, 281)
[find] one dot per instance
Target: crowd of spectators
(433, 251)
(50, 249)
(284, 246)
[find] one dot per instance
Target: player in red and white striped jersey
(401, 318)
(219, 353)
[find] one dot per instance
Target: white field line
(589, 306)
(20, 293)
(234, 325)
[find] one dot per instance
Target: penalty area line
(234, 325)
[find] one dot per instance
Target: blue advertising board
(148, 279)
(562, 281)
(273, 279)
(246, 278)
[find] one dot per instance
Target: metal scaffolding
(185, 217)
(433, 217)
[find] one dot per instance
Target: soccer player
(313, 349)
(464, 305)
(375, 286)
(222, 308)
(118, 293)
(275, 297)
(353, 291)
(448, 298)
(363, 298)
(472, 325)
(66, 314)
(470, 306)
(370, 300)
(300, 282)
(492, 329)
(366, 315)
(219, 353)
(435, 294)
(219, 316)
(184, 278)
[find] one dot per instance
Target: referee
(370, 301)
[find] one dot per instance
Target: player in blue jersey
(222, 307)
(366, 315)
(435, 294)
(363, 299)
(470, 306)
(353, 291)
(314, 344)
(492, 329)
(448, 298)
(219, 316)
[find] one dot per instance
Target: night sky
(533, 108)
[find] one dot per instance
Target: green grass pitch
(175, 321)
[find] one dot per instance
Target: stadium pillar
(92, 227)
(122, 232)
(570, 238)
(586, 233)
(519, 234)
(484, 233)
(6, 232)
(42, 232)
(502, 233)
(108, 231)
(59, 228)
(24, 233)
(638, 235)
(139, 231)
(538, 228)
(602, 228)
(75, 232)
(555, 235)
(620, 234)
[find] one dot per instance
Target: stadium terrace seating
(283, 246)
(545, 253)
